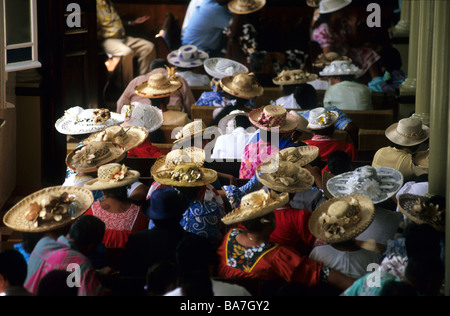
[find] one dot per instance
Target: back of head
(426, 273)
(87, 231)
(339, 162)
(422, 239)
(13, 267)
(242, 121)
(257, 61)
(198, 283)
(161, 278)
(397, 288)
(159, 63)
(306, 96)
(54, 283)
(390, 58)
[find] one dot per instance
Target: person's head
(327, 131)
(54, 283)
(197, 283)
(13, 269)
(263, 225)
(261, 62)
(422, 239)
(242, 121)
(426, 273)
(87, 233)
(339, 162)
(161, 103)
(306, 96)
(29, 240)
(390, 59)
(119, 193)
(159, 63)
(161, 278)
(397, 288)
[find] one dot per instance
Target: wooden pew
(372, 119)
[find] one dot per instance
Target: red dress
(119, 225)
(268, 261)
(328, 145)
(145, 150)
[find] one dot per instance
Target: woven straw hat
(302, 123)
(112, 175)
(342, 218)
(246, 6)
(293, 77)
(31, 215)
(90, 157)
(320, 118)
(130, 137)
(284, 176)
(329, 6)
(272, 117)
(313, 3)
(178, 156)
(301, 156)
(340, 68)
(186, 175)
(223, 67)
(255, 205)
(419, 210)
(379, 183)
(190, 130)
(159, 85)
(187, 56)
(324, 60)
(242, 85)
(408, 132)
(144, 115)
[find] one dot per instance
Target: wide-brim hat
(293, 77)
(116, 153)
(144, 115)
(324, 60)
(177, 156)
(112, 176)
(302, 123)
(223, 123)
(365, 217)
(411, 205)
(255, 205)
(273, 117)
(422, 159)
(320, 118)
(379, 183)
(79, 121)
(222, 67)
(242, 85)
(190, 130)
(247, 7)
(408, 132)
(186, 175)
(16, 217)
(159, 85)
(130, 137)
(329, 6)
(341, 68)
(187, 56)
(301, 155)
(284, 176)
(313, 3)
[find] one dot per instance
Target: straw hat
(130, 137)
(342, 218)
(328, 6)
(90, 157)
(320, 118)
(313, 3)
(49, 209)
(301, 156)
(144, 115)
(242, 85)
(159, 85)
(379, 183)
(246, 6)
(340, 68)
(302, 123)
(293, 77)
(178, 156)
(186, 175)
(324, 60)
(187, 56)
(223, 123)
(284, 176)
(112, 175)
(418, 209)
(255, 205)
(79, 121)
(273, 117)
(408, 132)
(223, 67)
(190, 130)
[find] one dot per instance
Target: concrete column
(402, 27)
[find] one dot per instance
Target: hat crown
(243, 82)
(158, 81)
(246, 4)
(191, 128)
(187, 53)
(106, 172)
(328, 6)
(321, 117)
(340, 67)
(273, 116)
(410, 127)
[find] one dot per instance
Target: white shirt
(348, 95)
(194, 79)
(288, 102)
(231, 146)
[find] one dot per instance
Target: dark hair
(242, 121)
(339, 162)
(159, 63)
(119, 193)
(390, 58)
(422, 239)
(29, 240)
(257, 60)
(13, 267)
(306, 96)
(87, 230)
(161, 277)
(54, 283)
(160, 101)
(197, 283)
(327, 131)
(256, 225)
(397, 288)
(426, 273)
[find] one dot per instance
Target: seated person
(188, 62)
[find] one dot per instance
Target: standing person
(120, 215)
(115, 42)
(206, 27)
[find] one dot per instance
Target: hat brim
(164, 177)
(333, 120)
(68, 126)
(233, 7)
(308, 154)
(118, 153)
(307, 183)
(143, 90)
(223, 123)
(391, 181)
(336, 8)
(367, 216)
(15, 217)
(173, 59)
(96, 184)
(407, 201)
(164, 163)
(136, 135)
(310, 78)
(226, 84)
(396, 138)
(290, 124)
(211, 63)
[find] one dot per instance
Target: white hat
(328, 6)
(408, 132)
(340, 68)
(223, 67)
(141, 114)
(187, 56)
(320, 118)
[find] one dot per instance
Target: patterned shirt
(108, 21)
(255, 154)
